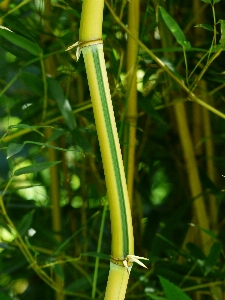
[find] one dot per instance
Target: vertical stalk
(49, 66)
(131, 106)
(121, 223)
(199, 209)
(55, 205)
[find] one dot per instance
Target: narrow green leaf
(63, 104)
(15, 25)
(172, 292)
(216, 1)
(13, 149)
(174, 28)
(195, 251)
(25, 223)
(154, 297)
(59, 271)
(209, 232)
(21, 41)
(21, 126)
(206, 1)
(35, 168)
(205, 26)
(213, 257)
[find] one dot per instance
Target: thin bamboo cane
(49, 65)
(192, 172)
(131, 105)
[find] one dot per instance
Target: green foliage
(45, 108)
(35, 168)
(174, 28)
(172, 292)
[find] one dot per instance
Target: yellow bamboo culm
(199, 210)
(90, 42)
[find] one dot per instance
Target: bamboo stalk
(194, 181)
(121, 223)
(131, 105)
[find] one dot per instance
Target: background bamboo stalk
(199, 209)
(131, 101)
(55, 205)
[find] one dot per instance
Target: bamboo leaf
(174, 28)
(59, 271)
(172, 292)
(25, 223)
(13, 149)
(16, 25)
(63, 104)
(154, 297)
(35, 168)
(20, 41)
(213, 257)
(205, 26)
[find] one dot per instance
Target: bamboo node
(128, 261)
(83, 44)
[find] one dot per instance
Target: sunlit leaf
(172, 292)
(21, 126)
(174, 28)
(35, 168)
(13, 149)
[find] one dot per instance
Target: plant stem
(121, 225)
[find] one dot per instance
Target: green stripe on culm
(112, 149)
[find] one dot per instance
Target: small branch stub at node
(83, 44)
(128, 261)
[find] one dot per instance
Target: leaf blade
(35, 168)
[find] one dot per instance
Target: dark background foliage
(32, 88)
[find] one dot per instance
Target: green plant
(62, 194)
